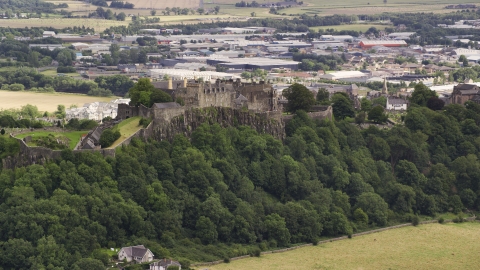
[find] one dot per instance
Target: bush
(66, 70)
(145, 122)
(226, 260)
(256, 252)
(441, 220)
(108, 137)
(459, 219)
(415, 220)
(2, 131)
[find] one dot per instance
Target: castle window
(223, 89)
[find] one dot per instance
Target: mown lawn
(432, 246)
(127, 128)
(73, 136)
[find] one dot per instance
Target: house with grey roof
(396, 104)
(138, 254)
(165, 264)
(464, 92)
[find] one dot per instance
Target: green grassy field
(53, 72)
(73, 136)
(127, 128)
(433, 246)
(97, 24)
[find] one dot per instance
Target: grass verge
(127, 128)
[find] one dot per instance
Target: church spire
(385, 88)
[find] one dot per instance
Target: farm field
(97, 24)
(127, 128)
(73, 136)
(45, 101)
(432, 246)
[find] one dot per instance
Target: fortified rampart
(40, 155)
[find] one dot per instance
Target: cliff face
(185, 124)
(29, 155)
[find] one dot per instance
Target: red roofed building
(367, 44)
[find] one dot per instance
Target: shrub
(415, 220)
(17, 87)
(66, 70)
(441, 220)
(2, 131)
(226, 260)
(459, 219)
(256, 252)
(108, 137)
(145, 122)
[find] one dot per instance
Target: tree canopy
(143, 92)
(299, 98)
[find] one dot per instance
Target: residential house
(165, 264)
(464, 92)
(138, 254)
(396, 104)
(411, 67)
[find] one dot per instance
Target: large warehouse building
(180, 74)
(253, 63)
(367, 44)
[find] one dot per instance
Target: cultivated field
(433, 246)
(45, 101)
(98, 24)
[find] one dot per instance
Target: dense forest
(230, 191)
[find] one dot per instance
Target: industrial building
(180, 74)
(367, 44)
(253, 63)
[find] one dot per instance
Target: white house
(396, 104)
(164, 264)
(139, 254)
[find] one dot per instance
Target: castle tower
(384, 88)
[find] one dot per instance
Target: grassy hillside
(433, 246)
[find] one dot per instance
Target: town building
(464, 92)
(138, 254)
(367, 44)
(164, 264)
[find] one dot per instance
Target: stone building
(255, 97)
(260, 97)
(464, 92)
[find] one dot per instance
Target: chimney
(170, 86)
(184, 82)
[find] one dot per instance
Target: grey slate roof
(166, 263)
(396, 101)
(464, 86)
(135, 251)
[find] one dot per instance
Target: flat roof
(382, 42)
(256, 61)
